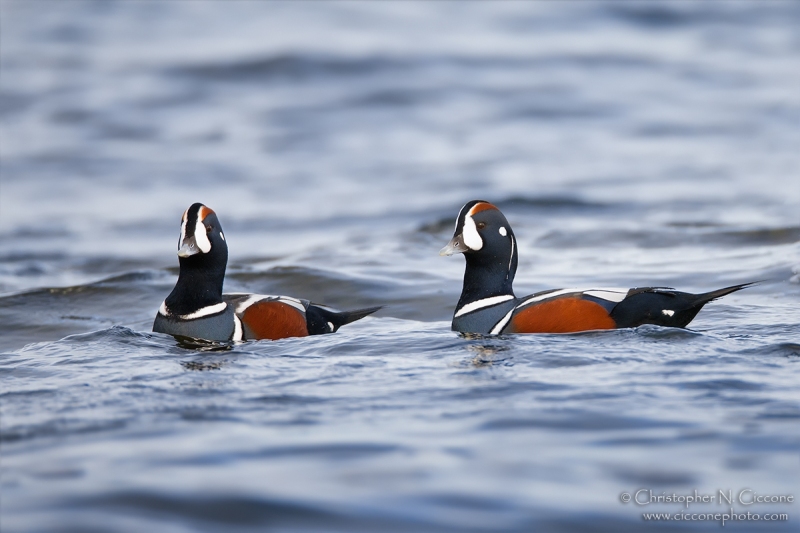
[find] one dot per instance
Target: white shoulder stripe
(552, 294)
(241, 306)
(205, 311)
(255, 298)
(500, 325)
(480, 304)
(294, 302)
(612, 295)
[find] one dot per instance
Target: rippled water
(628, 143)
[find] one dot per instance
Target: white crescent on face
(471, 237)
(200, 235)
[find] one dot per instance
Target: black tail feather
(323, 320)
(666, 307)
(719, 293)
(347, 317)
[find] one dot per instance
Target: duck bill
(455, 246)
(188, 247)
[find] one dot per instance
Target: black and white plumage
(197, 308)
(488, 304)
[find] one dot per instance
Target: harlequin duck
(197, 308)
(488, 303)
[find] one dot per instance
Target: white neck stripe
(205, 311)
(480, 304)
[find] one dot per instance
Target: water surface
(629, 144)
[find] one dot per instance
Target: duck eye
(481, 225)
(208, 229)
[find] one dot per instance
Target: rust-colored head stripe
(204, 212)
(480, 206)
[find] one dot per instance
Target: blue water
(628, 143)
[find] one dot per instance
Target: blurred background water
(629, 143)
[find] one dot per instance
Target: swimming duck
(197, 308)
(488, 303)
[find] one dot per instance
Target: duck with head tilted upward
(197, 308)
(488, 304)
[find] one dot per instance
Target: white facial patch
(471, 237)
(183, 230)
(503, 231)
(459, 216)
(201, 238)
